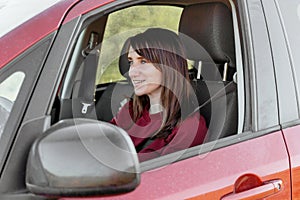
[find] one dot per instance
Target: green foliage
(125, 23)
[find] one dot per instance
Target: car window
(9, 90)
(213, 77)
(127, 22)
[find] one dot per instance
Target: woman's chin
(139, 93)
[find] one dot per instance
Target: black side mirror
(82, 157)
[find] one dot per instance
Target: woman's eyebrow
(138, 58)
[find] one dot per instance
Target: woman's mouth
(137, 82)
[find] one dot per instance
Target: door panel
(213, 175)
(292, 138)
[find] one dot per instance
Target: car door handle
(267, 189)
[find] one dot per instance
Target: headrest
(123, 60)
(210, 25)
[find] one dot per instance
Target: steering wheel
(5, 108)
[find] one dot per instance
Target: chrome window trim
(240, 70)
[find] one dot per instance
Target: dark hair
(164, 49)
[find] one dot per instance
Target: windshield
(16, 12)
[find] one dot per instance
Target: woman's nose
(133, 71)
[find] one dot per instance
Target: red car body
(262, 153)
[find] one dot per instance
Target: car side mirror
(82, 157)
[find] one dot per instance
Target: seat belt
(83, 104)
(87, 87)
(213, 97)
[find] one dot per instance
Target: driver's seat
(206, 30)
(116, 94)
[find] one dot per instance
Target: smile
(138, 82)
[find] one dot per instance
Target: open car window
(213, 54)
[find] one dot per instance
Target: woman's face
(145, 77)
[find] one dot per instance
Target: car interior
(207, 31)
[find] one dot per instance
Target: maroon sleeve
(123, 118)
(114, 121)
(191, 132)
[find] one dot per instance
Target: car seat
(206, 30)
(116, 94)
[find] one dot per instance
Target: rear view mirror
(82, 157)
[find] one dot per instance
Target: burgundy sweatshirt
(190, 132)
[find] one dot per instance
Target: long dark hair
(164, 49)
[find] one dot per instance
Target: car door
(284, 33)
(253, 164)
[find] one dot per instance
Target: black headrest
(209, 24)
(123, 60)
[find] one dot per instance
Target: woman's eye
(130, 62)
(143, 61)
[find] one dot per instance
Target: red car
(62, 78)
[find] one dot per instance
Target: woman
(160, 118)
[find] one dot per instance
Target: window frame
(207, 147)
(252, 104)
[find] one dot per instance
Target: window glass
(9, 90)
(125, 23)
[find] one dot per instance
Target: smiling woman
(17, 12)
(145, 77)
(160, 117)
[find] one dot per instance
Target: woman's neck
(155, 102)
(155, 108)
